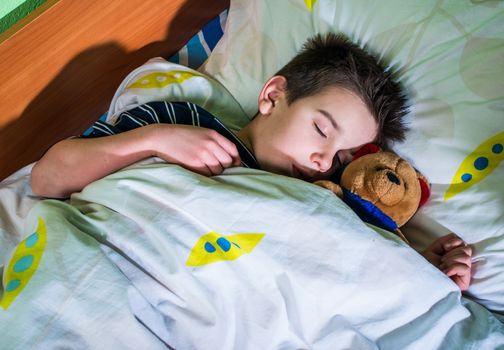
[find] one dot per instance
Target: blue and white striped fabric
(197, 50)
(172, 113)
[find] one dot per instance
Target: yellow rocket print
(159, 80)
(310, 3)
(214, 247)
(478, 165)
(23, 264)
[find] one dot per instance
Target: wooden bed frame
(59, 72)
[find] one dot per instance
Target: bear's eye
(393, 178)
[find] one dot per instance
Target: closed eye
(321, 133)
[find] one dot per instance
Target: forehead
(337, 97)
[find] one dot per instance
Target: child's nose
(323, 162)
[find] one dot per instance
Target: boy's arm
(72, 164)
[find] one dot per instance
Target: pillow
(195, 52)
(197, 49)
(449, 56)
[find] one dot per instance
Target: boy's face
(314, 136)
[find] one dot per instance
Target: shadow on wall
(92, 76)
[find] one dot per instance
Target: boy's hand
(201, 150)
(452, 256)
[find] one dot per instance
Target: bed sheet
(448, 55)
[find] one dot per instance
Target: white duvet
(251, 260)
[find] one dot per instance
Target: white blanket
(251, 260)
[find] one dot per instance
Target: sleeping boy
(328, 101)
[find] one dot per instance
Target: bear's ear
(366, 149)
(425, 187)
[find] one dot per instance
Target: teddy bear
(382, 188)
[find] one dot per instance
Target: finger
(461, 259)
(437, 246)
(215, 167)
(201, 169)
(458, 259)
(229, 147)
(207, 158)
(464, 250)
(462, 282)
(222, 156)
(197, 162)
(457, 270)
(453, 243)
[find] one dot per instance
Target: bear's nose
(388, 187)
(393, 178)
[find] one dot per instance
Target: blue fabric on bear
(368, 212)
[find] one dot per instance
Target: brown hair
(333, 60)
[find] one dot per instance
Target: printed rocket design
(214, 247)
(23, 264)
(159, 80)
(477, 165)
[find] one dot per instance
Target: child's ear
(272, 91)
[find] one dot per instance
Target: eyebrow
(328, 116)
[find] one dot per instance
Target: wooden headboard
(59, 72)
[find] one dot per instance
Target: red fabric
(425, 191)
(366, 149)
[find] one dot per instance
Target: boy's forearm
(72, 164)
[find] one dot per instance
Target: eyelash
(319, 130)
